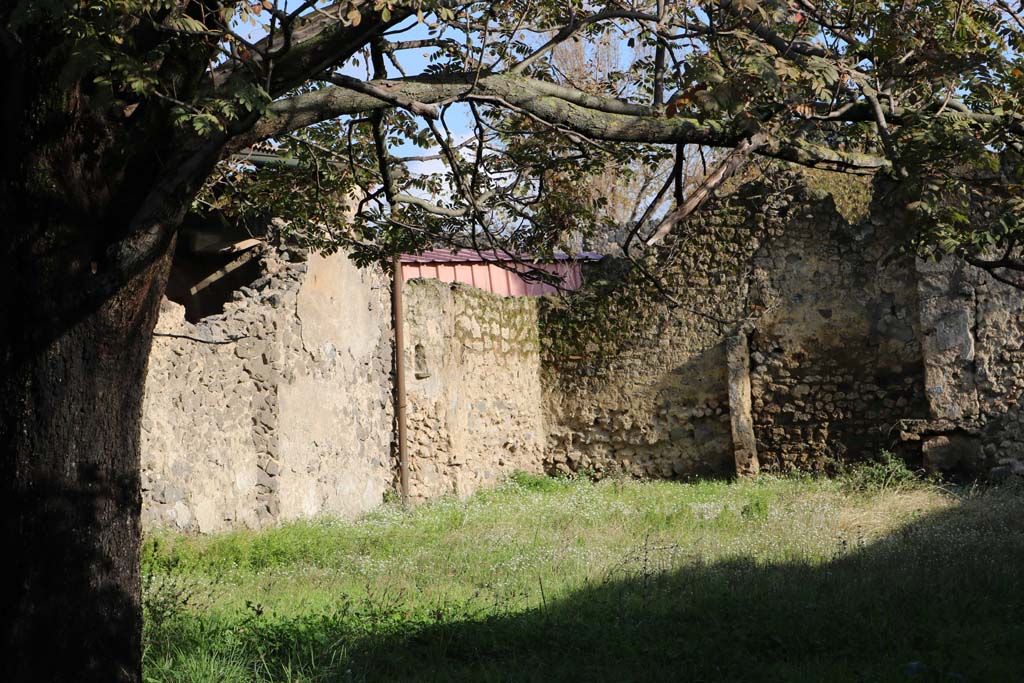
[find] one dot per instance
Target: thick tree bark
(69, 442)
(90, 199)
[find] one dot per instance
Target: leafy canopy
(449, 122)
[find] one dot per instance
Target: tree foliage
(455, 122)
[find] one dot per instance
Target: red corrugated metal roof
(494, 271)
(487, 255)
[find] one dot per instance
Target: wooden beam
(230, 267)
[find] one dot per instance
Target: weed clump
(758, 506)
(537, 482)
(887, 472)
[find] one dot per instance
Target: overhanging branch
(593, 117)
(391, 96)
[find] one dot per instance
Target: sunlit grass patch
(774, 579)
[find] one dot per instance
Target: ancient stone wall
(828, 316)
(475, 407)
(659, 407)
(999, 373)
(282, 406)
(795, 336)
(655, 401)
(973, 340)
(836, 360)
(278, 408)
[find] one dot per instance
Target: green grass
(872, 577)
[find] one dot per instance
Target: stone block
(250, 347)
(944, 453)
(740, 417)
(270, 483)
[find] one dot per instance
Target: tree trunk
(69, 439)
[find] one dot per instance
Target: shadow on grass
(940, 599)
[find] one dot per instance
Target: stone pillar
(948, 319)
(737, 358)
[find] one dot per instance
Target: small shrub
(169, 595)
(757, 507)
(887, 473)
(536, 482)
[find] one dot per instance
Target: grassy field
(872, 577)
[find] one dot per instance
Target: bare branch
(437, 210)
(574, 26)
(725, 169)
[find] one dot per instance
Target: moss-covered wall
(829, 313)
(785, 321)
(474, 394)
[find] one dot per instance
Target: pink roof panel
(486, 255)
(492, 271)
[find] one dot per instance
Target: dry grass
(875, 516)
(781, 579)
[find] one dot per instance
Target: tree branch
(807, 154)
(437, 210)
(386, 95)
(725, 169)
(571, 28)
(590, 116)
(316, 43)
